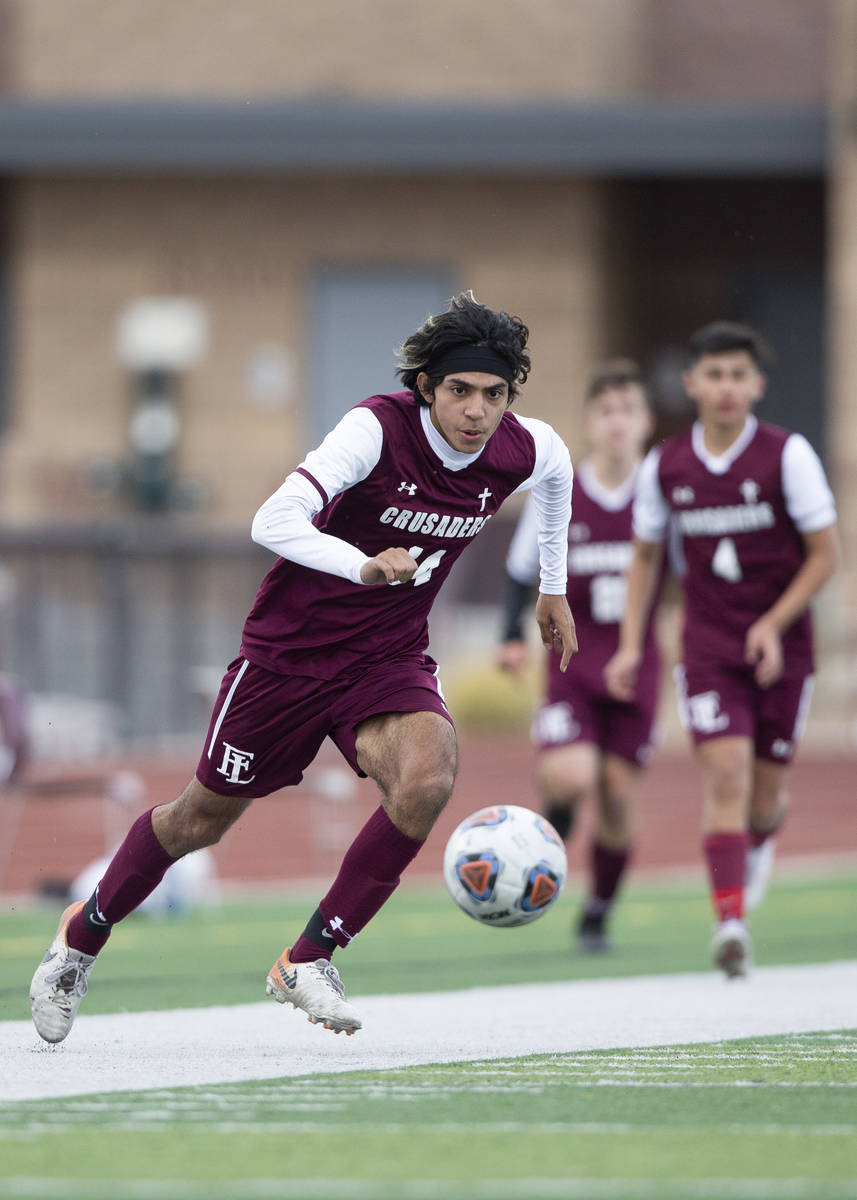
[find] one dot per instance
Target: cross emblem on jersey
(483, 496)
(410, 488)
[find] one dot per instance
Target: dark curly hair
(465, 323)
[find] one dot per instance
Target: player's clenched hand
(556, 626)
(512, 656)
(620, 674)
(390, 566)
(764, 650)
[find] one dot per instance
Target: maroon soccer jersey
(740, 546)
(579, 707)
(599, 552)
(312, 623)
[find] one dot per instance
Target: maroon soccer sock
(368, 876)
(136, 869)
(726, 855)
(607, 868)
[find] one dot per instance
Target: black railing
(126, 615)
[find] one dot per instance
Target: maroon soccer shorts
(715, 700)
(266, 728)
(579, 708)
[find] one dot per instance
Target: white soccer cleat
(760, 867)
(316, 988)
(60, 983)
(732, 949)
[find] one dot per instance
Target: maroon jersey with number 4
(740, 546)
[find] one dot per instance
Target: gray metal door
(360, 317)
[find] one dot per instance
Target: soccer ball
(504, 865)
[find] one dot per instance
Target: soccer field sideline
(192, 1047)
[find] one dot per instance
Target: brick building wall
(246, 250)
(529, 49)
(380, 48)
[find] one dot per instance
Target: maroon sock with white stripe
(136, 869)
(369, 875)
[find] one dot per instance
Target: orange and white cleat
(314, 987)
(60, 983)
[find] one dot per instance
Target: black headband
(470, 358)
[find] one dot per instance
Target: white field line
(285, 1188)
(135, 1051)
(34, 1132)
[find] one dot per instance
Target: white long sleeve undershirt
(348, 454)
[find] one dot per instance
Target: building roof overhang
(336, 135)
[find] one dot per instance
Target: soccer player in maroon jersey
(366, 530)
(757, 523)
(592, 747)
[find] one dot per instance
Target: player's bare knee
(180, 832)
(436, 791)
(560, 787)
(728, 788)
(427, 773)
(566, 793)
(568, 775)
(728, 780)
(430, 790)
(206, 829)
(415, 804)
(768, 810)
(197, 819)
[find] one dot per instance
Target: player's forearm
(818, 567)
(516, 599)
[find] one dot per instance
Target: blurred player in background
(14, 729)
(756, 519)
(367, 529)
(592, 747)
